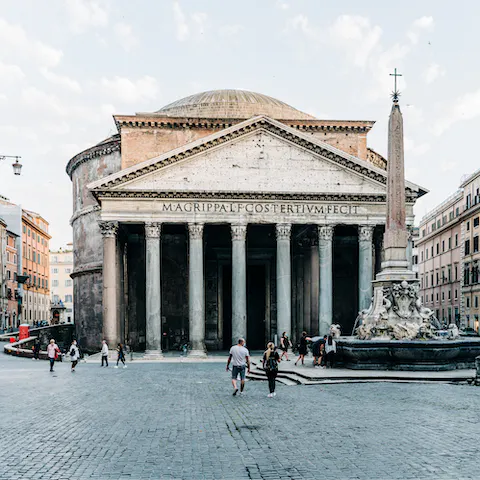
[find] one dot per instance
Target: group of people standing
(54, 353)
(323, 349)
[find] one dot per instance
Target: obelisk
(395, 240)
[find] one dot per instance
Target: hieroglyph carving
(239, 232)
(108, 229)
(195, 231)
(283, 231)
(153, 230)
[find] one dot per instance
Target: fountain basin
(414, 355)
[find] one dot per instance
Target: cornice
(102, 149)
(253, 196)
(84, 211)
(325, 151)
(86, 269)
(154, 121)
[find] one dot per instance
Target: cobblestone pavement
(180, 421)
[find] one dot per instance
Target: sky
(67, 65)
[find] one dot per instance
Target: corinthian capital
(283, 231)
(365, 233)
(153, 229)
(108, 229)
(239, 232)
(325, 232)
(195, 230)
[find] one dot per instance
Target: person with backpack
(271, 359)
(121, 355)
(74, 355)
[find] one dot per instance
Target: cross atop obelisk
(395, 93)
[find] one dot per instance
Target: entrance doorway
(256, 306)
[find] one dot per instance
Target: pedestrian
(302, 351)
(36, 349)
(121, 355)
(104, 353)
(285, 343)
(330, 350)
(317, 352)
(240, 358)
(74, 354)
(52, 352)
(323, 355)
(271, 360)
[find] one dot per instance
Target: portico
(257, 228)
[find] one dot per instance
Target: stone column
(315, 285)
(111, 331)
(410, 246)
(307, 292)
(153, 304)
(365, 266)
(239, 283)
(284, 279)
(196, 291)
(325, 251)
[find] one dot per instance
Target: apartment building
(439, 250)
(471, 250)
(35, 264)
(3, 273)
(11, 320)
(61, 266)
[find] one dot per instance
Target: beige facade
(12, 284)
(471, 250)
(3, 273)
(439, 259)
(61, 267)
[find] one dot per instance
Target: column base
(200, 353)
(153, 355)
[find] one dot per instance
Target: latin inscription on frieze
(258, 208)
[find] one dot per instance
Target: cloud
(230, 30)
(432, 72)
(15, 43)
(449, 166)
(10, 73)
(282, 5)
(61, 80)
(39, 101)
(125, 36)
(301, 23)
(85, 14)
(356, 36)
(183, 31)
(465, 107)
(422, 23)
(130, 91)
(184, 26)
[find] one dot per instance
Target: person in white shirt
(240, 359)
(104, 353)
(330, 350)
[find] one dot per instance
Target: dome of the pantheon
(240, 104)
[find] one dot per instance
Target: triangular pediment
(258, 155)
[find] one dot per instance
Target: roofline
(470, 178)
(216, 135)
(453, 198)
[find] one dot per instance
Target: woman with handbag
(52, 353)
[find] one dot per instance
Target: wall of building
(12, 284)
(61, 267)
(471, 251)
(439, 259)
(35, 263)
(3, 274)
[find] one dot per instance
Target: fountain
(397, 332)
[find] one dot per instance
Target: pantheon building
(225, 214)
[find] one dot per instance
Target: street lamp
(17, 166)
